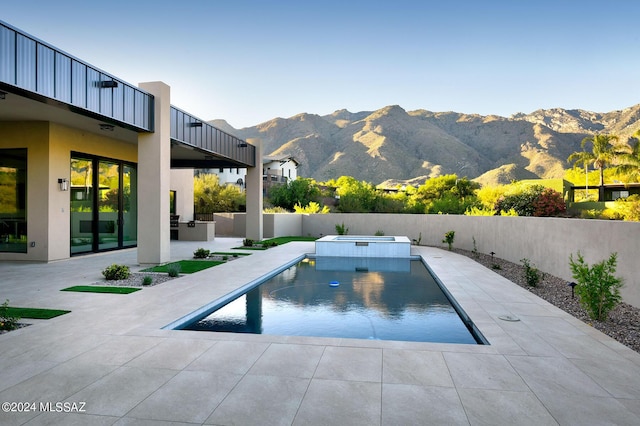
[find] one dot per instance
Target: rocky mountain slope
(392, 143)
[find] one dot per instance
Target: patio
(111, 354)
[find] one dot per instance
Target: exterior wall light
(108, 84)
(63, 183)
(195, 124)
(3, 95)
(243, 144)
(107, 127)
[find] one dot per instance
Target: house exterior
(88, 161)
(276, 170)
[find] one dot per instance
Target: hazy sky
(250, 61)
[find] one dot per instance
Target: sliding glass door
(103, 209)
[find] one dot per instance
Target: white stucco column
(254, 228)
(154, 167)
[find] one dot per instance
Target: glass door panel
(109, 202)
(81, 205)
(129, 220)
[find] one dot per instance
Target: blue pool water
(362, 298)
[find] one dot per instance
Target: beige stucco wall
(546, 242)
(49, 147)
(182, 182)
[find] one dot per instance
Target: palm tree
(630, 162)
(605, 151)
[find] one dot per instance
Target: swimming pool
(361, 298)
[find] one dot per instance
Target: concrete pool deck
(111, 358)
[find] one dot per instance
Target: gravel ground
(624, 321)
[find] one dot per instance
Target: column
(154, 166)
(254, 228)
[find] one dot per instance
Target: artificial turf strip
(185, 266)
(34, 313)
(228, 253)
(102, 289)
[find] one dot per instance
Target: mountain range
(392, 145)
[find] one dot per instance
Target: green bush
(448, 238)
(247, 242)
(201, 253)
(147, 280)
(341, 229)
(173, 270)
(531, 274)
(598, 288)
(7, 321)
(116, 272)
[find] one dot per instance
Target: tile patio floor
(111, 353)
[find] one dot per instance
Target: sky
(248, 62)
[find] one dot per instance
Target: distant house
(278, 170)
(612, 191)
(275, 171)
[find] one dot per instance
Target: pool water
(361, 298)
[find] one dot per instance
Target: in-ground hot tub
(363, 246)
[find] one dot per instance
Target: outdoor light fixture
(108, 84)
(195, 124)
(107, 127)
(64, 184)
(572, 285)
(3, 95)
(243, 145)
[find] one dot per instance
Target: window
(13, 200)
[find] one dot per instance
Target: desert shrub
(173, 270)
(629, 208)
(379, 233)
(247, 242)
(311, 208)
(341, 229)
(7, 320)
(479, 211)
(201, 253)
(523, 202)
(531, 273)
(147, 280)
(448, 238)
(598, 288)
(549, 203)
(116, 272)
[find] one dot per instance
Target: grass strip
(285, 240)
(229, 253)
(185, 266)
(102, 289)
(34, 313)
(278, 240)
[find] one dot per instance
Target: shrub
(225, 258)
(247, 242)
(147, 280)
(173, 270)
(448, 238)
(379, 233)
(598, 288)
(7, 321)
(531, 273)
(201, 253)
(630, 207)
(341, 229)
(116, 272)
(549, 203)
